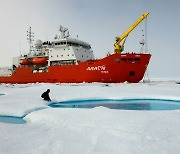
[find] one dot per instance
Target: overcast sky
(97, 22)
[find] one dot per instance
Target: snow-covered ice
(88, 131)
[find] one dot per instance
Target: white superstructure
(64, 50)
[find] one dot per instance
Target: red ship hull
(115, 68)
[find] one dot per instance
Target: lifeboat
(39, 60)
(25, 62)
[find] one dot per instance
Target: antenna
(63, 31)
(30, 37)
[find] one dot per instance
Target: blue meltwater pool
(12, 119)
(122, 104)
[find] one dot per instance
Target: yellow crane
(119, 45)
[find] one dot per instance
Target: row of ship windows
(127, 59)
(130, 59)
(76, 49)
(72, 44)
(68, 55)
(63, 55)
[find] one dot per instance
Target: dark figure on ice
(45, 95)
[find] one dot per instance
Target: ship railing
(62, 62)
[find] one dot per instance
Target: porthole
(131, 73)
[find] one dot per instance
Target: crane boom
(118, 48)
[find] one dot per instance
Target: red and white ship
(69, 60)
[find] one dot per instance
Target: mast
(30, 37)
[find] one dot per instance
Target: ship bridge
(71, 42)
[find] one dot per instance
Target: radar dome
(38, 44)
